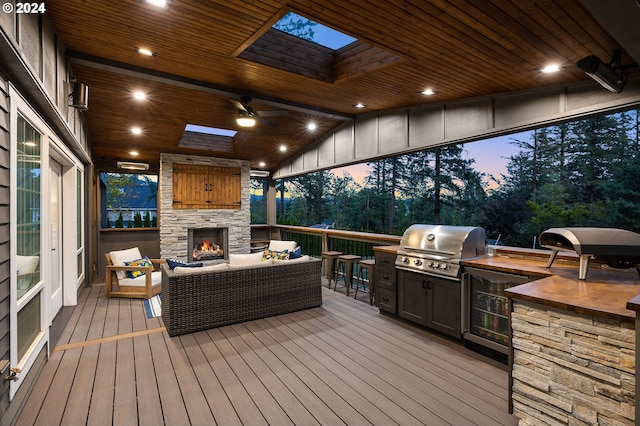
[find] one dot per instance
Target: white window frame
(51, 147)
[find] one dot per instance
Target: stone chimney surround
(174, 224)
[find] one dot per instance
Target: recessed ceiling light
(428, 92)
(145, 51)
(262, 164)
(159, 3)
(311, 126)
(551, 68)
(136, 130)
(141, 96)
(360, 105)
(134, 153)
(283, 148)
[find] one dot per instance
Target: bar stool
(329, 263)
(346, 261)
(366, 265)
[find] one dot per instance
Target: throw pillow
(173, 263)
(144, 262)
(296, 253)
(273, 254)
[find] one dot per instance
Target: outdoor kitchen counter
(573, 342)
(605, 293)
(387, 249)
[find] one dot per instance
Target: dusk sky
(491, 156)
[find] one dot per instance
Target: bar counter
(573, 342)
(605, 292)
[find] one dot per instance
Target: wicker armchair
(119, 284)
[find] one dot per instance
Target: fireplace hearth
(207, 244)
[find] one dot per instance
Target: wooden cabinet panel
(430, 301)
(385, 281)
(412, 296)
(206, 187)
(444, 312)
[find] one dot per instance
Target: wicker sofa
(200, 300)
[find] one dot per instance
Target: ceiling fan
(247, 116)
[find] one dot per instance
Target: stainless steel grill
(439, 249)
(617, 248)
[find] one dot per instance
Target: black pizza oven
(617, 248)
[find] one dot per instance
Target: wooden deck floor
(342, 363)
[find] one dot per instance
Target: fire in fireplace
(207, 244)
(207, 251)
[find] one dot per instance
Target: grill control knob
(404, 259)
(444, 266)
(417, 262)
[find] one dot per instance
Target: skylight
(210, 130)
(309, 30)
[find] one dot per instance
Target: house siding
(33, 64)
(4, 242)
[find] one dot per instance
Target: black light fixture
(611, 76)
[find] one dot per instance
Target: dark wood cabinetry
(385, 281)
(206, 187)
(430, 301)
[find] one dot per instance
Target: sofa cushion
(245, 259)
(156, 278)
(300, 259)
(207, 268)
(280, 245)
(118, 257)
(235, 267)
(144, 263)
(173, 263)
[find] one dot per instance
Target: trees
(575, 174)
(584, 173)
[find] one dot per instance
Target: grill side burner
(439, 249)
(617, 248)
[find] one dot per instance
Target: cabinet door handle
(426, 284)
(385, 277)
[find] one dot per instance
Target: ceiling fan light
(246, 121)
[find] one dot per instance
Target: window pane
(258, 189)
(28, 325)
(128, 200)
(28, 207)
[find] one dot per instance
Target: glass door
(487, 307)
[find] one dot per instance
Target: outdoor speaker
(79, 97)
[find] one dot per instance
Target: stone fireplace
(177, 224)
(207, 244)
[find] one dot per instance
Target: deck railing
(314, 241)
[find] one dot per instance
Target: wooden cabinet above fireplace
(206, 187)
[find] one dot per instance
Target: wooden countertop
(605, 293)
(387, 249)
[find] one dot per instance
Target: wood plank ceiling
(459, 48)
